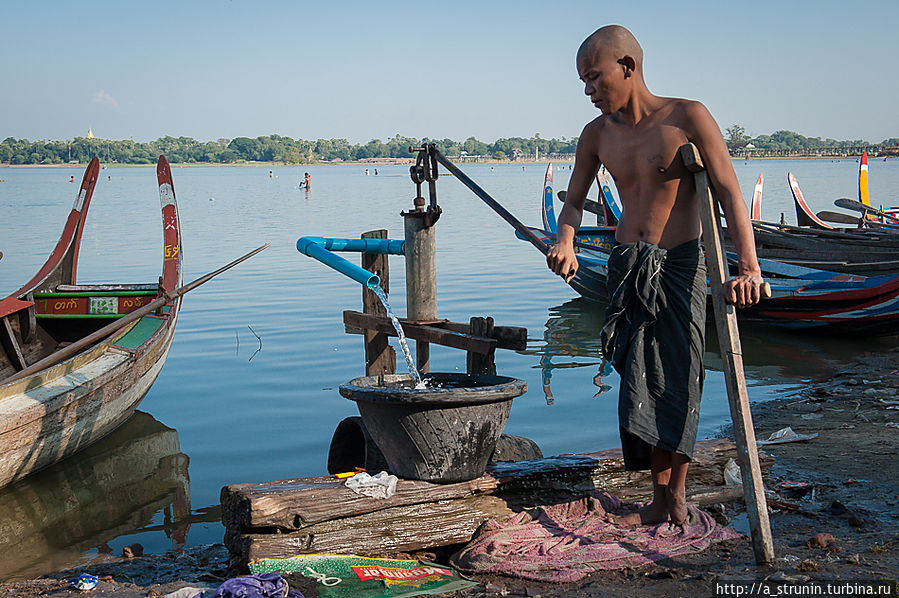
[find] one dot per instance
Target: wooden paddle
(594, 207)
(838, 217)
(851, 204)
(732, 360)
(117, 325)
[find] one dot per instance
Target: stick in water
(124, 321)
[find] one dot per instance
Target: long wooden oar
(839, 217)
(594, 207)
(851, 204)
(114, 327)
(732, 359)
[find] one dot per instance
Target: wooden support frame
(419, 332)
(24, 311)
(11, 345)
(732, 360)
(28, 320)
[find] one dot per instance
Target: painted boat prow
(804, 214)
(61, 266)
(863, 194)
(171, 227)
(613, 208)
(755, 206)
(549, 215)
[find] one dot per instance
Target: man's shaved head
(614, 40)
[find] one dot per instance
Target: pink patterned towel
(567, 541)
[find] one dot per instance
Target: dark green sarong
(654, 336)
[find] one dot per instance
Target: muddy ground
(852, 494)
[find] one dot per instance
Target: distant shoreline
(393, 162)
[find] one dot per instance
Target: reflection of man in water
(605, 368)
(547, 371)
(547, 367)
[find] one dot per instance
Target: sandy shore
(853, 495)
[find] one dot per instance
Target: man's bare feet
(677, 506)
(654, 512)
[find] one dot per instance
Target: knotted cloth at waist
(654, 336)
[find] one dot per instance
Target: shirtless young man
(654, 331)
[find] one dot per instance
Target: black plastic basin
(444, 433)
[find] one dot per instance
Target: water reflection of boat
(115, 487)
(773, 354)
(571, 339)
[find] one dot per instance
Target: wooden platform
(320, 514)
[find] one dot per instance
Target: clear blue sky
(458, 68)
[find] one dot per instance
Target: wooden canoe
(812, 299)
(65, 407)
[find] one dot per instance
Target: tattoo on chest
(652, 159)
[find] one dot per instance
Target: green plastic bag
(349, 576)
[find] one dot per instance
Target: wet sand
(852, 494)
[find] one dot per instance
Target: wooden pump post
(732, 359)
(421, 277)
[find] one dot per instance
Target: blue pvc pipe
(315, 247)
(390, 246)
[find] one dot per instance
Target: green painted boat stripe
(94, 294)
(140, 332)
(78, 316)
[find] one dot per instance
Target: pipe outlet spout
(314, 247)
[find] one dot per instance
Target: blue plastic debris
(85, 582)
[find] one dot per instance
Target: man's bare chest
(635, 156)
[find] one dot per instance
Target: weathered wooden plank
(507, 337)
(380, 357)
(430, 334)
(297, 503)
(405, 528)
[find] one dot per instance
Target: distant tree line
(271, 148)
(790, 142)
(275, 148)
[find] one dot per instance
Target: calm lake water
(229, 408)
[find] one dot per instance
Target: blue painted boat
(802, 297)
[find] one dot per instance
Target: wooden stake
(380, 358)
(732, 359)
(481, 363)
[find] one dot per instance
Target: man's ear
(628, 64)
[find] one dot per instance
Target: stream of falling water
(413, 371)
